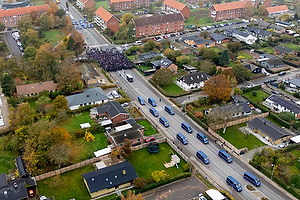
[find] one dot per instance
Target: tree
(30, 38)
(140, 182)
(130, 33)
(181, 60)
(60, 103)
(210, 54)
(134, 8)
(234, 46)
(2, 26)
(150, 45)
(159, 175)
(41, 102)
(241, 73)
(88, 136)
(151, 8)
(204, 34)
(224, 58)
(287, 116)
(248, 10)
(238, 91)
(280, 2)
(217, 88)
(252, 23)
(112, 7)
(25, 23)
(79, 40)
(126, 150)
(127, 17)
(200, 3)
(29, 53)
(295, 179)
(131, 196)
(67, 5)
(208, 67)
(172, 54)
(43, 21)
(60, 12)
(90, 12)
(60, 154)
(7, 84)
(285, 17)
(25, 115)
(162, 76)
(70, 43)
(261, 10)
(196, 19)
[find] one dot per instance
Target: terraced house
(105, 19)
(172, 6)
(127, 4)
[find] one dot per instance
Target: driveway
(12, 45)
(185, 189)
(4, 111)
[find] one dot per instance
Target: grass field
(101, 3)
(218, 50)
(268, 50)
(245, 55)
(38, 2)
(295, 168)
(291, 46)
(261, 95)
(74, 122)
(149, 130)
(171, 88)
(53, 36)
(145, 163)
(238, 139)
(67, 185)
(7, 159)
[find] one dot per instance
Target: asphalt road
(218, 169)
(12, 45)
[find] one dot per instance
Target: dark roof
(199, 40)
(295, 81)
(148, 55)
(14, 190)
(30, 181)
(165, 62)
(269, 128)
(275, 61)
(15, 5)
(110, 176)
(285, 103)
(266, 55)
(130, 121)
(217, 37)
(156, 63)
(284, 49)
(275, 27)
(237, 32)
(113, 108)
(194, 78)
(132, 133)
(3, 180)
(240, 107)
(22, 169)
(158, 19)
(259, 31)
(264, 24)
(284, 23)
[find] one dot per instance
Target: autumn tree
(140, 182)
(112, 7)
(60, 13)
(43, 21)
(150, 45)
(25, 23)
(238, 91)
(162, 76)
(60, 103)
(248, 10)
(183, 59)
(25, 115)
(126, 150)
(60, 154)
(30, 38)
(196, 19)
(159, 175)
(134, 8)
(217, 88)
(234, 46)
(204, 34)
(2, 26)
(7, 84)
(200, 3)
(285, 17)
(29, 53)
(241, 73)
(41, 102)
(208, 67)
(261, 10)
(131, 196)
(78, 42)
(172, 54)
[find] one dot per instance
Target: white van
(138, 42)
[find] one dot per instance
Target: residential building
(259, 33)
(253, 68)
(180, 47)
(36, 88)
(284, 24)
(238, 109)
(281, 51)
(90, 75)
(264, 25)
(105, 19)
(91, 96)
(173, 6)
(240, 35)
(164, 63)
(219, 39)
(280, 104)
(192, 81)
(277, 29)
(113, 110)
(127, 4)
(11, 17)
(271, 63)
(148, 55)
(215, 194)
(266, 3)
(159, 24)
(230, 10)
(198, 42)
(276, 11)
(266, 55)
(294, 82)
(268, 130)
(81, 4)
(6, 6)
(189, 68)
(109, 178)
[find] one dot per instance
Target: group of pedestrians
(109, 60)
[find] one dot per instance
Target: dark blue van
(182, 138)
(153, 111)
(170, 110)
(141, 100)
(164, 121)
(234, 183)
(225, 156)
(202, 156)
(202, 138)
(252, 179)
(151, 101)
(186, 127)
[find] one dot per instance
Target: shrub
(295, 179)
(287, 116)
(140, 182)
(297, 95)
(250, 187)
(79, 133)
(175, 102)
(254, 93)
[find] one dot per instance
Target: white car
(250, 85)
(115, 94)
(109, 95)
(201, 197)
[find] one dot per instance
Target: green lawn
(54, 36)
(272, 120)
(38, 2)
(32, 104)
(74, 122)
(149, 130)
(202, 108)
(268, 50)
(145, 67)
(231, 64)
(295, 169)
(291, 46)
(67, 185)
(246, 56)
(145, 163)
(171, 88)
(218, 50)
(133, 57)
(101, 3)
(7, 159)
(238, 139)
(261, 95)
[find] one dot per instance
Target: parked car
(115, 94)
(282, 73)
(125, 104)
(149, 139)
(275, 92)
(250, 85)
(91, 25)
(21, 49)
(109, 95)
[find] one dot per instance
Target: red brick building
(231, 10)
(127, 4)
(105, 19)
(81, 4)
(276, 11)
(11, 17)
(159, 24)
(172, 6)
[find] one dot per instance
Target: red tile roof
(174, 4)
(230, 5)
(104, 14)
(23, 10)
(277, 9)
(36, 87)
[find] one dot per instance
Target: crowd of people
(109, 60)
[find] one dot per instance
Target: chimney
(15, 185)
(124, 172)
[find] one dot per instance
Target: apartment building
(81, 4)
(127, 4)
(159, 24)
(105, 19)
(172, 6)
(11, 17)
(231, 10)
(277, 10)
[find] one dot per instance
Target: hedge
(108, 86)
(107, 76)
(175, 102)
(257, 87)
(6, 132)
(123, 100)
(279, 120)
(122, 93)
(198, 121)
(290, 63)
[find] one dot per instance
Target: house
(253, 68)
(281, 51)
(192, 81)
(230, 10)
(189, 68)
(241, 36)
(239, 109)
(148, 55)
(105, 19)
(6, 6)
(130, 130)
(90, 75)
(164, 62)
(277, 29)
(264, 25)
(110, 178)
(272, 63)
(279, 104)
(180, 47)
(268, 130)
(276, 11)
(113, 110)
(284, 24)
(159, 24)
(266, 55)
(11, 17)
(172, 6)
(219, 39)
(121, 5)
(81, 4)
(36, 88)
(259, 33)
(294, 82)
(198, 42)
(91, 96)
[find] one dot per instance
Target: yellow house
(268, 130)
(108, 179)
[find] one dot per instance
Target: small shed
(85, 125)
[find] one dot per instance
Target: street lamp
(272, 171)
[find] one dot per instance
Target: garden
(53, 36)
(149, 130)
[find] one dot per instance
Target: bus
(151, 101)
(186, 127)
(169, 110)
(141, 100)
(225, 156)
(252, 179)
(58, 2)
(129, 78)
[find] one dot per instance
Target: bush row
(175, 102)
(108, 86)
(257, 87)
(122, 93)
(291, 63)
(123, 100)
(279, 120)
(107, 76)
(198, 121)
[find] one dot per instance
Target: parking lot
(14, 48)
